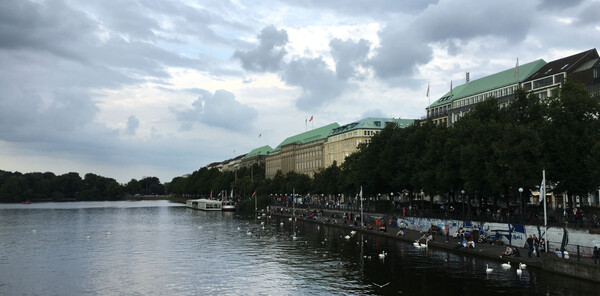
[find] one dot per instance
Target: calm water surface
(162, 248)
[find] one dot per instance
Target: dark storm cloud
(319, 84)
(349, 55)
(218, 110)
(268, 54)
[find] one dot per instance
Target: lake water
(163, 248)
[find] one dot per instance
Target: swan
(290, 219)
(239, 228)
(519, 271)
(281, 223)
(249, 233)
(488, 269)
(506, 265)
(353, 232)
(382, 255)
(347, 237)
(522, 266)
(262, 223)
(416, 244)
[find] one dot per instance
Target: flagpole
(545, 213)
(361, 209)
(428, 100)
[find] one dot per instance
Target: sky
(130, 89)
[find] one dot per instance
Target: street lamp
(521, 203)
(462, 201)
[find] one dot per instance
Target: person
(542, 245)
(558, 253)
(462, 244)
(516, 252)
(400, 233)
(508, 252)
(382, 227)
(596, 255)
(529, 243)
(536, 246)
(447, 229)
(470, 244)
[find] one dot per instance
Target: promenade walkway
(548, 261)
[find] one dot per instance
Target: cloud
(366, 7)
(589, 14)
(348, 56)
(268, 54)
(219, 110)
(557, 4)
(132, 125)
(400, 51)
(319, 84)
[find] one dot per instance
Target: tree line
(18, 187)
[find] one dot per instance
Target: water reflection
(157, 248)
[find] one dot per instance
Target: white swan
(382, 255)
(506, 265)
(290, 219)
(249, 233)
(281, 223)
(353, 232)
(347, 237)
(519, 271)
(262, 223)
(522, 266)
(488, 269)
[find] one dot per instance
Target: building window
(596, 72)
(558, 78)
(542, 82)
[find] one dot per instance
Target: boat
(228, 206)
(204, 204)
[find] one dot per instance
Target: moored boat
(228, 206)
(204, 204)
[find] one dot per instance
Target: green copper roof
(264, 150)
(309, 136)
(371, 123)
(491, 82)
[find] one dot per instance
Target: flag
(311, 118)
(427, 89)
(260, 135)
(517, 69)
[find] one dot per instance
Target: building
(345, 139)
(583, 67)
(302, 153)
(256, 156)
(538, 77)
(459, 100)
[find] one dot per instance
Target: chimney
(467, 77)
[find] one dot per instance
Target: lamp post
(462, 201)
(521, 203)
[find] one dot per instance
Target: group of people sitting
(511, 252)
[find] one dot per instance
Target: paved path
(491, 251)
